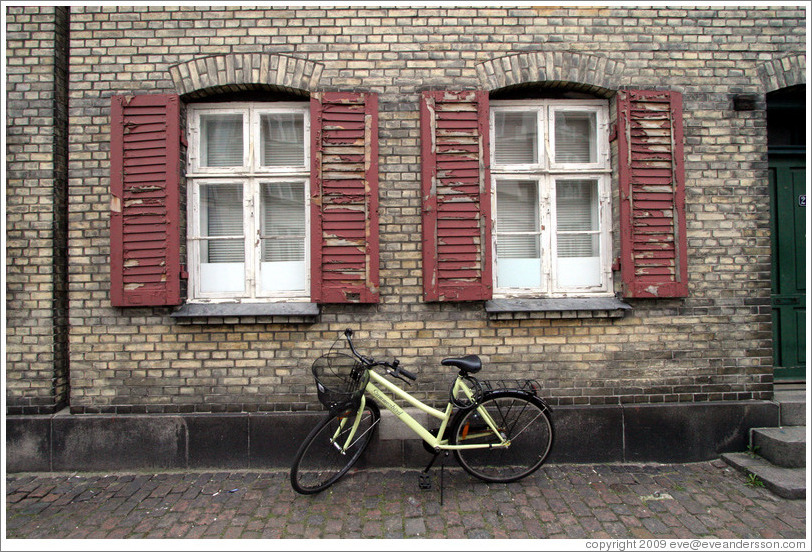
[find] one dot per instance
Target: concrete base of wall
(676, 432)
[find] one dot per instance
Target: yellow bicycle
(497, 434)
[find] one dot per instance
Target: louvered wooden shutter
(344, 197)
(145, 206)
(456, 201)
(652, 194)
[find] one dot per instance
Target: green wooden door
(788, 191)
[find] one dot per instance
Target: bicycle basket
(340, 380)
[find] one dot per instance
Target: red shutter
(145, 188)
(456, 200)
(652, 194)
(344, 197)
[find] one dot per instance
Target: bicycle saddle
(470, 364)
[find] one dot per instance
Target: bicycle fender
(530, 396)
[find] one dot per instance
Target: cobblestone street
(697, 500)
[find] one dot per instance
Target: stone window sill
(248, 313)
(565, 307)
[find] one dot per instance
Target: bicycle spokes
(479, 432)
(505, 438)
(348, 433)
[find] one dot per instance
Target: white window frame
(546, 172)
(251, 175)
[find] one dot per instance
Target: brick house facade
(72, 343)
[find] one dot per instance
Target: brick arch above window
(595, 74)
(221, 72)
(783, 72)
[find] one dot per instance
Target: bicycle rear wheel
(522, 419)
(319, 462)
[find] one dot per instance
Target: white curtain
(222, 247)
(577, 218)
(221, 213)
(578, 234)
(283, 221)
(222, 137)
(575, 137)
(516, 140)
(283, 234)
(518, 251)
(517, 211)
(282, 136)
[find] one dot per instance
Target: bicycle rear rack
(528, 385)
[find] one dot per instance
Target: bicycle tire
(318, 462)
(522, 418)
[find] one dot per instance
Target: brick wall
(714, 345)
(36, 207)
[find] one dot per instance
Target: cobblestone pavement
(705, 499)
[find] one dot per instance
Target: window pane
(514, 271)
(576, 205)
(220, 276)
(516, 139)
(221, 216)
(516, 206)
(283, 234)
(518, 250)
(222, 140)
(578, 271)
(577, 218)
(222, 244)
(282, 139)
(578, 245)
(221, 210)
(517, 247)
(283, 221)
(578, 234)
(575, 137)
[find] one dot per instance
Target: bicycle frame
(436, 442)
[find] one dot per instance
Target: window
(268, 219)
(248, 181)
(547, 162)
(550, 191)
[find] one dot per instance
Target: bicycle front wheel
(521, 418)
(320, 462)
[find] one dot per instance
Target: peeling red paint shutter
(652, 194)
(344, 197)
(145, 203)
(456, 200)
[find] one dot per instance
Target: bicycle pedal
(424, 481)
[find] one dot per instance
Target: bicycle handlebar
(393, 368)
(403, 372)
